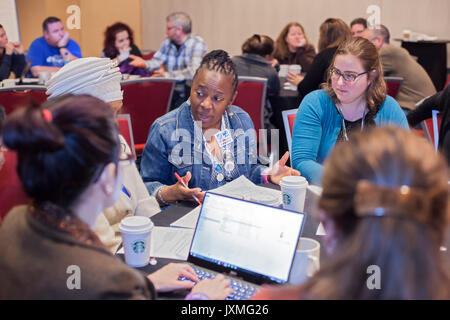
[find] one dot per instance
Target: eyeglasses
(347, 76)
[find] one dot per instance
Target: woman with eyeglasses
(71, 166)
(352, 99)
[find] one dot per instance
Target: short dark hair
(59, 158)
(258, 44)
(48, 21)
(220, 61)
(361, 21)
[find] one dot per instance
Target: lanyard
(343, 122)
(223, 168)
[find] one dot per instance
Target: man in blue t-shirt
(52, 51)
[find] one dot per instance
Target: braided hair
(220, 61)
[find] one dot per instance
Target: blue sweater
(317, 126)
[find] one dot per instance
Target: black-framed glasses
(346, 75)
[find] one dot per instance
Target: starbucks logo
(286, 199)
(139, 246)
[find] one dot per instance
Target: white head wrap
(99, 77)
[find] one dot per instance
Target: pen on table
(184, 185)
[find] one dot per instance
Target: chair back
(148, 56)
(19, 96)
(11, 190)
(251, 97)
(431, 127)
(125, 130)
(145, 100)
(288, 121)
(393, 85)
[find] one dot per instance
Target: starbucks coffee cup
(136, 232)
(293, 191)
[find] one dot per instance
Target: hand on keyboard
(217, 288)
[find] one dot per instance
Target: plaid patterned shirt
(181, 64)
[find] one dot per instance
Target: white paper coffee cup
(136, 232)
(295, 68)
(306, 261)
(8, 83)
(283, 70)
(293, 192)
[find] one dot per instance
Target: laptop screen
(246, 237)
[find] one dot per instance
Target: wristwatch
(63, 47)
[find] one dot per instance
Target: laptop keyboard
(241, 290)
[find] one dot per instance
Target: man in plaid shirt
(180, 54)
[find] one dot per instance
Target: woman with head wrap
(100, 77)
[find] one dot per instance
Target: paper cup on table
(43, 77)
(306, 261)
(8, 83)
(293, 192)
(136, 232)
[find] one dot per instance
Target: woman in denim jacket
(206, 141)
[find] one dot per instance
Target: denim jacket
(172, 147)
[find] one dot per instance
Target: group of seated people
(385, 191)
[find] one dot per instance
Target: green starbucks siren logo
(286, 199)
(139, 246)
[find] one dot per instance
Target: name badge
(224, 138)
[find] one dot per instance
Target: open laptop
(252, 243)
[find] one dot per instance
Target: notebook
(252, 243)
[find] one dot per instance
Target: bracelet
(159, 195)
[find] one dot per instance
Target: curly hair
(110, 49)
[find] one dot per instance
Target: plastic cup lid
(135, 224)
(293, 180)
(265, 198)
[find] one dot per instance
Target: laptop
(251, 243)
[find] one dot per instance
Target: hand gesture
(179, 192)
(159, 72)
(295, 79)
(280, 170)
(166, 278)
(137, 62)
(217, 288)
(64, 40)
(9, 48)
(18, 47)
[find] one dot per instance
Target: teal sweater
(317, 126)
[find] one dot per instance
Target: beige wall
(96, 15)
(226, 24)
